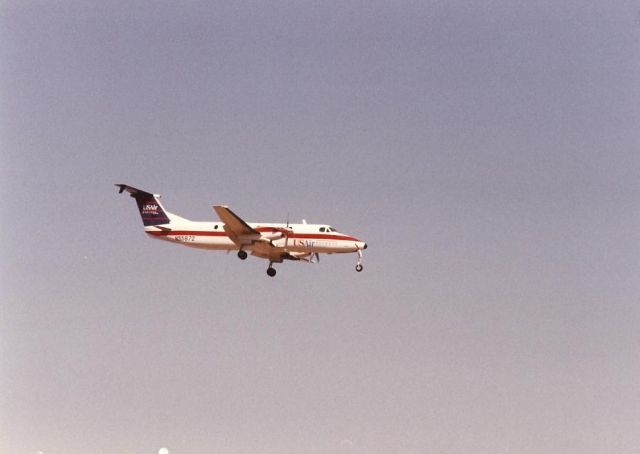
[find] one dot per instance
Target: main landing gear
(271, 271)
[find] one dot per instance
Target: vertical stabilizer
(150, 208)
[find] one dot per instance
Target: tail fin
(151, 209)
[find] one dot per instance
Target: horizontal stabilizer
(133, 191)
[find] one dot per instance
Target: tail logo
(150, 209)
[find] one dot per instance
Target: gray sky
(488, 152)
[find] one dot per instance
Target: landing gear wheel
(359, 267)
(271, 271)
(242, 255)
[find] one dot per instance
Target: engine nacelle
(271, 236)
(277, 233)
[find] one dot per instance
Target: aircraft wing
(234, 225)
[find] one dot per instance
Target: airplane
(273, 242)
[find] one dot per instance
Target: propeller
(286, 235)
(310, 258)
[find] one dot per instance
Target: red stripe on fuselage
(306, 236)
(315, 236)
(185, 232)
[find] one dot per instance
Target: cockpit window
(331, 229)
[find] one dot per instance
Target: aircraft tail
(151, 210)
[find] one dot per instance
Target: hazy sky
(488, 152)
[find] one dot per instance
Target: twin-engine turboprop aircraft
(274, 242)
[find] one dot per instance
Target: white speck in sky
(163, 451)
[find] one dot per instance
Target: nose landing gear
(271, 271)
(359, 266)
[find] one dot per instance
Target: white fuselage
(294, 238)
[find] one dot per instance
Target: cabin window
(322, 229)
(215, 227)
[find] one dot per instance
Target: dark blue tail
(151, 209)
